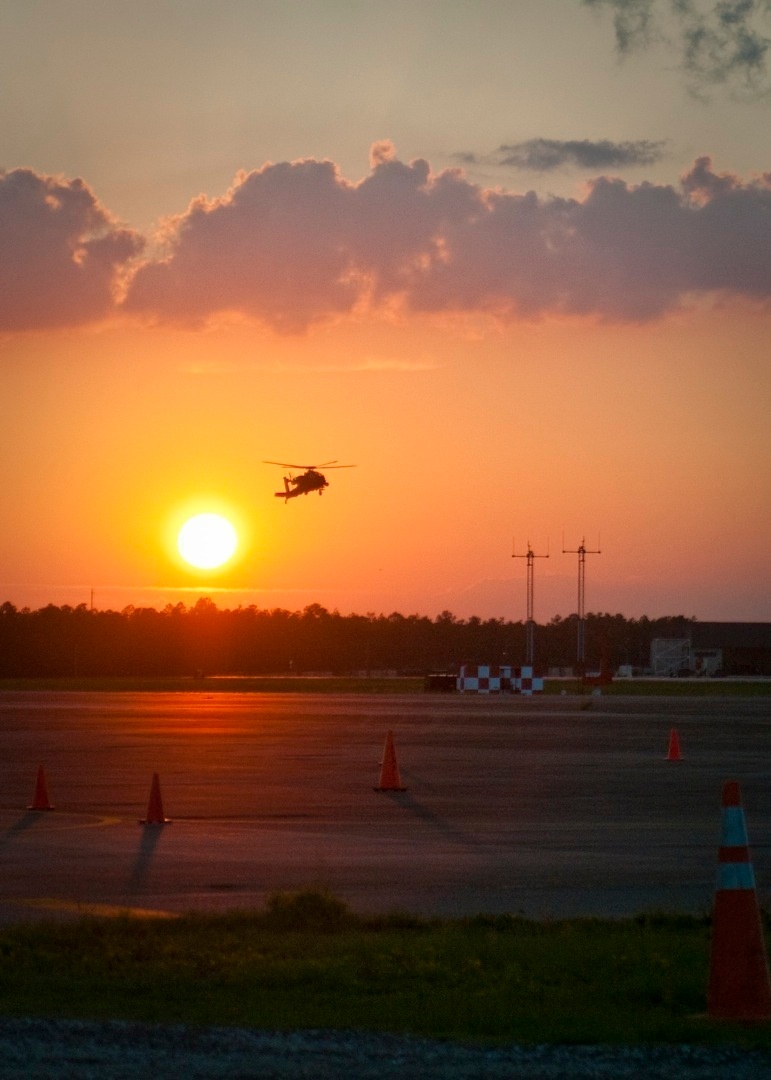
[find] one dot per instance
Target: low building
(715, 648)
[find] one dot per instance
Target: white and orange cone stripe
(734, 867)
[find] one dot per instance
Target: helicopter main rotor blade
(325, 465)
(286, 465)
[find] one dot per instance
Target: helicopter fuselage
(309, 481)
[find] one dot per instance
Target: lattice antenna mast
(530, 624)
(582, 552)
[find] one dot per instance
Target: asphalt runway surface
(547, 806)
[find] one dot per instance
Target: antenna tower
(582, 552)
(530, 625)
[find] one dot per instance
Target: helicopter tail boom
(286, 493)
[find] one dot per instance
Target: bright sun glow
(207, 541)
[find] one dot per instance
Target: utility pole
(530, 624)
(582, 552)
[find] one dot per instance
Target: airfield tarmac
(545, 806)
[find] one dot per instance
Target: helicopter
(309, 480)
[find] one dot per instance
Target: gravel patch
(114, 1050)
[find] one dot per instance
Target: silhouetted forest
(180, 640)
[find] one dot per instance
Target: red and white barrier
(498, 679)
(484, 679)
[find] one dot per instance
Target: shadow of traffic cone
(739, 986)
(389, 770)
(155, 805)
(673, 754)
(40, 800)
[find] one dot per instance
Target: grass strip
(307, 961)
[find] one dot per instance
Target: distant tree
(58, 641)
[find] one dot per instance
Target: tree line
(202, 639)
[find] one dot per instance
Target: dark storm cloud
(719, 41)
(295, 243)
(61, 253)
(547, 155)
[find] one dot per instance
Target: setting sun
(207, 541)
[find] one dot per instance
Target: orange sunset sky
(511, 259)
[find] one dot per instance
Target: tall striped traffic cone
(40, 800)
(673, 754)
(739, 986)
(389, 770)
(155, 805)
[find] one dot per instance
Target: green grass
(306, 961)
(669, 688)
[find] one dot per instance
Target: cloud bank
(61, 253)
(295, 243)
(292, 244)
(718, 41)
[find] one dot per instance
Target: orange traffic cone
(739, 986)
(155, 805)
(40, 800)
(673, 753)
(389, 770)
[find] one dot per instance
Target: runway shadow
(424, 813)
(140, 872)
(26, 821)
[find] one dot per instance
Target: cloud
(547, 155)
(271, 248)
(719, 41)
(723, 44)
(633, 21)
(296, 243)
(61, 253)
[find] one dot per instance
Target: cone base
(673, 751)
(155, 814)
(739, 986)
(389, 789)
(40, 799)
